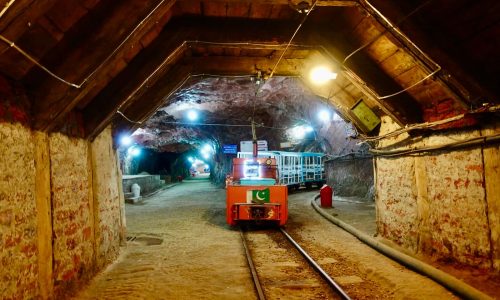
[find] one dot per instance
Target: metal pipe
(450, 282)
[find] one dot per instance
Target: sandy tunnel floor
(180, 248)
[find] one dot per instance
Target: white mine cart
(295, 169)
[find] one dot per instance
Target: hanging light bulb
(321, 75)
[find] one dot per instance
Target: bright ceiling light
(308, 129)
(321, 75)
(206, 148)
(125, 140)
(205, 155)
(190, 159)
(324, 115)
(192, 115)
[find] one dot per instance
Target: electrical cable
(411, 86)
(118, 111)
(7, 5)
(427, 125)
(393, 28)
(223, 125)
(398, 23)
(30, 58)
(257, 45)
(78, 86)
(481, 140)
(179, 86)
(291, 39)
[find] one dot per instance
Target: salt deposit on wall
(18, 222)
(72, 208)
(106, 179)
(438, 204)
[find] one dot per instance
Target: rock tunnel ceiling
(226, 106)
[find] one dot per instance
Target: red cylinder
(326, 196)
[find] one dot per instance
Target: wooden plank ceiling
(128, 56)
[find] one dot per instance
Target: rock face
(226, 107)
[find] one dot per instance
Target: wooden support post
(94, 215)
(491, 159)
(121, 198)
(44, 215)
(424, 234)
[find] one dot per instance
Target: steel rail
(256, 282)
(311, 261)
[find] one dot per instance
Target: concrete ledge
(148, 183)
(133, 200)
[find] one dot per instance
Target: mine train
(257, 189)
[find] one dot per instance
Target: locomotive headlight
(251, 169)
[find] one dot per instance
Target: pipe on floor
(451, 283)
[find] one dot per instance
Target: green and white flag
(258, 196)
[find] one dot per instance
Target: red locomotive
(253, 192)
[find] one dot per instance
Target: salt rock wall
(106, 199)
(71, 209)
(72, 217)
(18, 222)
(444, 205)
(350, 177)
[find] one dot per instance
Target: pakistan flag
(258, 196)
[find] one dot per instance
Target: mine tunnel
(163, 149)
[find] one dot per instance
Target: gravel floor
(180, 248)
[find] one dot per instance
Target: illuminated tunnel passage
(133, 133)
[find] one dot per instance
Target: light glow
(324, 115)
(207, 148)
(321, 75)
(134, 151)
(192, 115)
(125, 140)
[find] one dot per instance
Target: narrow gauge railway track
(263, 280)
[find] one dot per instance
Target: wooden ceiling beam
(286, 2)
(137, 112)
(90, 60)
(365, 74)
(421, 58)
(14, 21)
(179, 35)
